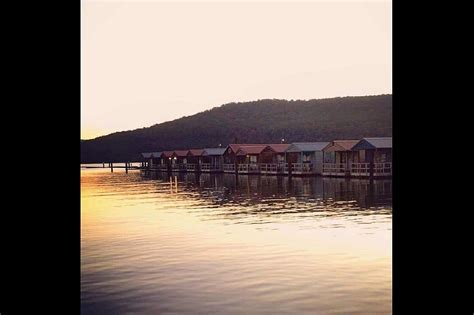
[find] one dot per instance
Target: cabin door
(369, 156)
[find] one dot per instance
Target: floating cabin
(255, 158)
(179, 160)
(374, 158)
(369, 157)
(151, 159)
(305, 158)
(194, 160)
(212, 160)
(230, 160)
(167, 160)
(277, 164)
(250, 157)
(338, 158)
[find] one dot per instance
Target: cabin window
(306, 158)
(280, 158)
(185, 161)
(343, 158)
(253, 159)
(384, 157)
(362, 156)
(329, 157)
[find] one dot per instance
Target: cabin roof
(252, 149)
(374, 143)
(234, 147)
(214, 151)
(148, 155)
(306, 146)
(280, 147)
(277, 147)
(340, 145)
(181, 153)
(196, 152)
(167, 153)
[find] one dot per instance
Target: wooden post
(111, 167)
(103, 164)
(126, 167)
(371, 166)
(236, 166)
(347, 172)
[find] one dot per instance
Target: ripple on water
(217, 244)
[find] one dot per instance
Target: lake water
(221, 244)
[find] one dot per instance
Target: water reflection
(244, 195)
(212, 244)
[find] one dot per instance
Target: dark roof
(340, 145)
(234, 147)
(167, 153)
(252, 149)
(277, 147)
(148, 155)
(196, 152)
(306, 146)
(181, 153)
(374, 143)
(280, 147)
(214, 151)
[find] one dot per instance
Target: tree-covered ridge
(262, 121)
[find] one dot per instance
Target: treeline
(262, 121)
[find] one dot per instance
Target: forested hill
(262, 121)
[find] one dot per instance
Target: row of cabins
(368, 157)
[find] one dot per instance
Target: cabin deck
(271, 169)
(210, 168)
(302, 169)
(335, 169)
(363, 169)
(248, 168)
(229, 168)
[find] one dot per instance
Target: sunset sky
(148, 62)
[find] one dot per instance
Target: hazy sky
(148, 62)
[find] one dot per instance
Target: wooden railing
(157, 167)
(207, 167)
(335, 169)
(176, 167)
(360, 169)
(273, 168)
(229, 167)
(302, 168)
(248, 168)
(363, 169)
(383, 169)
(190, 167)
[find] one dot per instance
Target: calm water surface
(234, 245)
